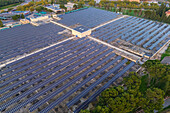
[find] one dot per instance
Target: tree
(20, 8)
(92, 3)
(2, 11)
(147, 14)
(8, 2)
(38, 8)
(84, 111)
(101, 109)
(132, 82)
(75, 6)
(9, 9)
(129, 98)
(130, 11)
(100, 4)
(158, 74)
(15, 17)
(62, 6)
(1, 24)
(52, 1)
(22, 16)
(80, 5)
(145, 3)
(120, 9)
(154, 99)
(161, 10)
(82, 2)
(31, 9)
(135, 12)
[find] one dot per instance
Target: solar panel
(35, 74)
(26, 38)
(139, 26)
(90, 17)
(155, 37)
(152, 34)
(84, 92)
(104, 87)
(7, 76)
(65, 86)
(140, 32)
(158, 41)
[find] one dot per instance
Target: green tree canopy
(129, 98)
(22, 16)
(75, 6)
(159, 74)
(1, 24)
(39, 8)
(154, 100)
(15, 17)
(31, 9)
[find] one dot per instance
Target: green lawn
(167, 53)
(8, 6)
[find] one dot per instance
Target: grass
(8, 6)
(167, 53)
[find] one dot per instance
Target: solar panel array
(141, 32)
(90, 17)
(65, 73)
(73, 73)
(27, 38)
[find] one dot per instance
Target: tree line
(144, 94)
(16, 17)
(38, 6)
(8, 2)
(126, 4)
(156, 14)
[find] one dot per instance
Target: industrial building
(63, 65)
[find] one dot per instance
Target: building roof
(81, 29)
(167, 12)
(166, 60)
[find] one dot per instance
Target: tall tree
(155, 100)
(75, 6)
(31, 9)
(22, 16)
(1, 24)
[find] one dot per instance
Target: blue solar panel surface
(75, 70)
(139, 32)
(89, 17)
(56, 73)
(27, 38)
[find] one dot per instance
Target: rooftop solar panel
(89, 17)
(103, 88)
(27, 38)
